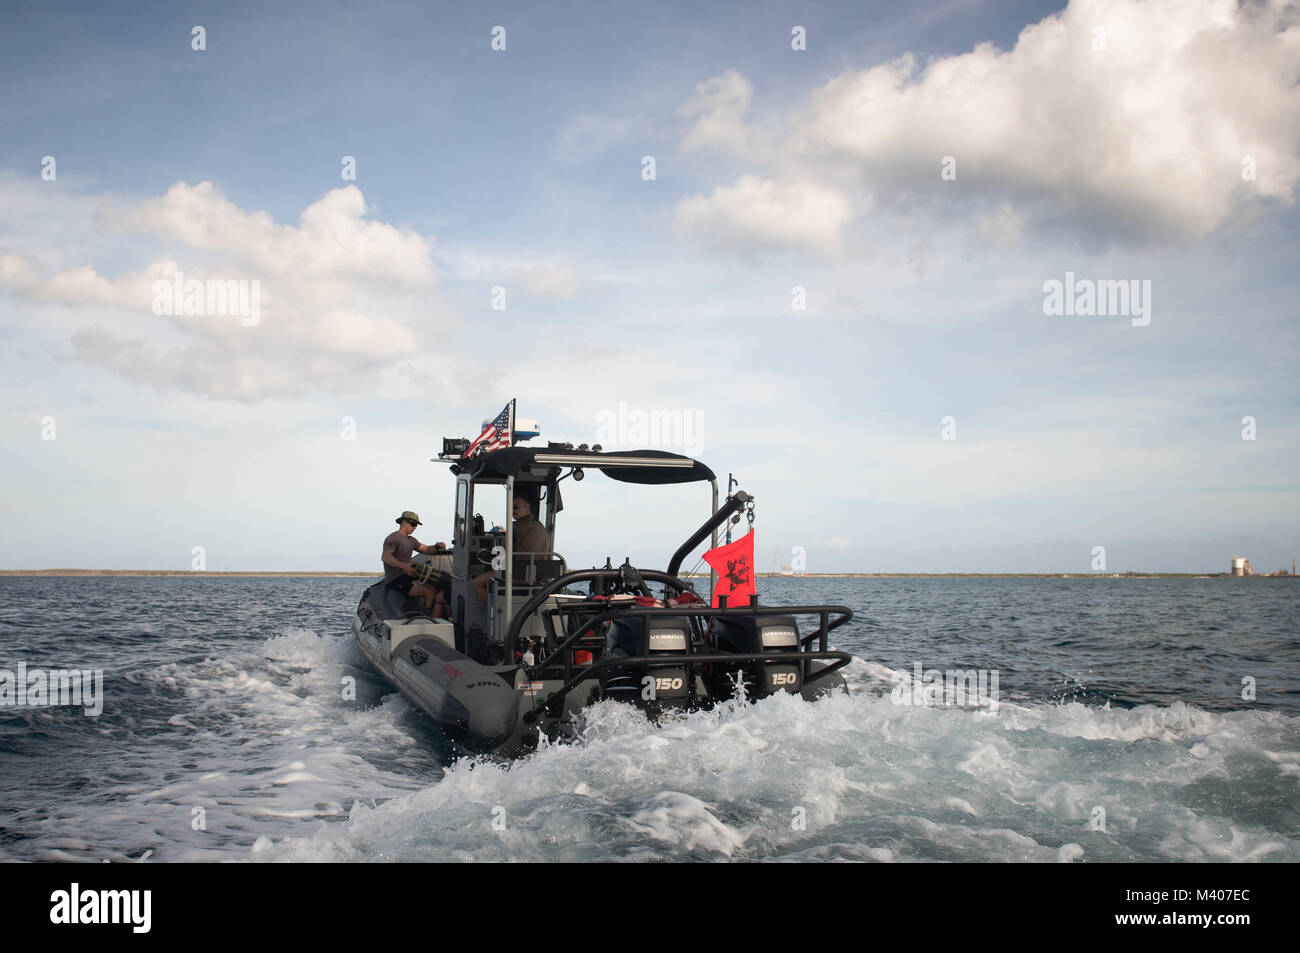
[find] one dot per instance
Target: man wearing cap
(529, 537)
(398, 569)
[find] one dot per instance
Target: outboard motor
(754, 633)
(647, 685)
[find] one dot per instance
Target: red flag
(734, 564)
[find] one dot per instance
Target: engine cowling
(648, 684)
(746, 634)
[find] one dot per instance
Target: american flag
(494, 437)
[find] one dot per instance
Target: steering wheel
(485, 556)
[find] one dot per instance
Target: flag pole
(510, 530)
(731, 482)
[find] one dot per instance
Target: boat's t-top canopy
(535, 473)
(634, 466)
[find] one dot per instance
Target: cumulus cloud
(333, 236)
(1141, 112)
(18, 271)
(81, 285)
(223, 361)
(334, 291)
(717, 111)
(755, 211)
(1132, 118)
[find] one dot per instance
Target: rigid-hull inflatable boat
(548, 642)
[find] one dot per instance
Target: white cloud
(82, 285)
(18, 271)
(1148, 132)
(1118, 117)
(338, 297)
(718, 109)
(761, 212)
(333, 238)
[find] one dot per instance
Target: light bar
(577, 460)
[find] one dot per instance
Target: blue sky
(1105, 139)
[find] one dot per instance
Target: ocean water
(1120, 733)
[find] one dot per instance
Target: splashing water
(281, 764)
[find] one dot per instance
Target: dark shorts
(402, 584)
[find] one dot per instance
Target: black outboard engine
(648, 685)
(757, 633)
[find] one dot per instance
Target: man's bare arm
(391, 560)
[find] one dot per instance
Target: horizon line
(272, 573)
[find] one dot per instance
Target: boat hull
(475, 705)
(501, 709)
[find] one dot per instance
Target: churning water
(1122, 733)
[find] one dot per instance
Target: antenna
(731, 482)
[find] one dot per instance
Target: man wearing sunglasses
(398, 569)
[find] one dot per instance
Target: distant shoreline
(259, 574)
(174, 572)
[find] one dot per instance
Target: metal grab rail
(823, 631)
(801, 656)
(562, 582)
(556, 698)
